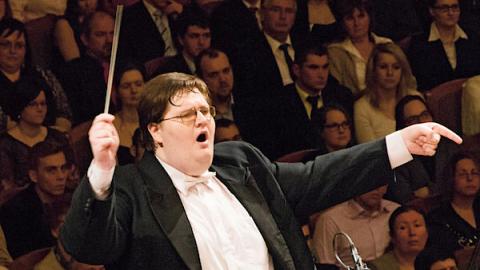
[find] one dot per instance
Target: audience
(193, 33)
(128, 83)
(147, 30)
(226, 130)
(388, 79)
(454, 225)
(409, 234)
(68, 28)
(84, 78)
(364, 218)
(15, 64)
(446, 51)
(420, 177)
(23, 217)
(29, 105)
(213, 66)
(348, 57)
(435, 259)
(335, 128)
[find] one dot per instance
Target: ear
(296, 70)
(156, 133)
(33, 175)
(84, 39)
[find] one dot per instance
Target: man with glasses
(447, 51)
(186, 206)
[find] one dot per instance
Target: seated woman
(67, 28)
(445, 52)
(420, 177)
(15, 64)
(408, 232)
(388, 80)
(30, 103)
(348, 58)
(315, 21)
(454, 225)
(128, 84)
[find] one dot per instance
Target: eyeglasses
(190, 116)
(6, 45)
(466, 175)
(337, 126)
(446, 8)
(419, 118)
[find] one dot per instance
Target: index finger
(445, 132)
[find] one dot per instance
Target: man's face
(50, 175)
(99, 41)
(230, 133)
(371, 201)
(195, 40)
(278, 17)
(186, 143)
(217, 74)
(446, 13)
(12, 51)
(312, 75)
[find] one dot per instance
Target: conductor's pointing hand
(422, 139)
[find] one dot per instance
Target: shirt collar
(435, 35)
(275, 43)
(347, 44)
(179, 179)
(356, 211)
(302, 93)
(248, 5)
(152, 10)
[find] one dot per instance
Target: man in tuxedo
(186, 206)
(147, 30)
(299, 102)
(193, 32)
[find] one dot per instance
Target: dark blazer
(175, 63)
(296, 130)
(85, 86)
(24, 223)
(232, 23)
(140, 39)
(142, 225)
(430, 64)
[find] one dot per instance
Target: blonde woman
(388, 79)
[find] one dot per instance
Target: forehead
(14, 36)
(132, 74)
(409, 216)
(57, 159)
(281, 3)
(414, 106)
(335, 115)
(386, 57)
(186, 100)
(465, 163)
(210, 64)
(191, 29)
(316, 59)
(102, 22)
(445, 2)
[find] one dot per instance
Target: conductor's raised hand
(104, 141)
(422, 139)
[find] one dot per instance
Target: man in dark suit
(193, 33)
(84, 78)
(297, 115)
(188, 207)
(147, 30)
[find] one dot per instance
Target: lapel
(243, 186)
(168, 210)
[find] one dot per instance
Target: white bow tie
(191, 181)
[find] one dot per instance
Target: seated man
(226, 130)
(364, 218)
(193, 33)
(23, 217)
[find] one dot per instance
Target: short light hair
(159, 93)
(407, 80)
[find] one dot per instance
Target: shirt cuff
(398, 153)
(97, 177)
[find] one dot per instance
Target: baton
(113, 55)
